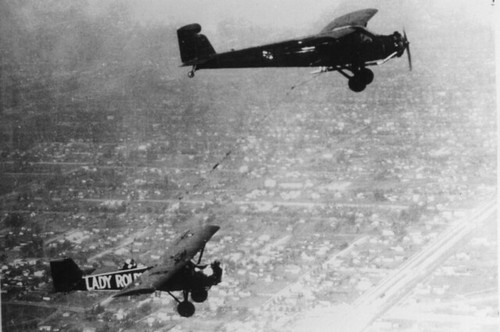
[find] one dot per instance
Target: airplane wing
(182, 251)
(358, 18)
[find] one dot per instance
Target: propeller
(406, 44)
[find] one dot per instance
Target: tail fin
(66, 275)
(193, 45)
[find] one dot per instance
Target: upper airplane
(175, 272)
(343, 45)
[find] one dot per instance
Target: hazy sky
(296, 14)
(210, 12)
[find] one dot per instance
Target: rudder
(66, 275)
(193, 45)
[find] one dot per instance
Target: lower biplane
(176, 271)
(344, 45)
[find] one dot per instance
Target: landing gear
(191, 72)
(356, 84)
(360, 79)
(194, 282)
(366, 75)
(199, 295)
(185, 308)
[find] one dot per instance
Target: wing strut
(174, 297)
(344, 73)
(381, 62)
(201, 255)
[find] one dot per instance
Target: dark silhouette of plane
(344, 45)
(175, 272)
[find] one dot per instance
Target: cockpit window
(186, 235)
(365, 38)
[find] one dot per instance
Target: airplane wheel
(356, 84)
(185, 309)
(191, 74)
(366, 75)
(199, 295)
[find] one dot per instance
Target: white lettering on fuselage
(98, 282)
(122, 280)
(116, 280)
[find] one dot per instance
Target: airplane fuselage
(344, 45)
(355, 49)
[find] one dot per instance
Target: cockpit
(129, 264)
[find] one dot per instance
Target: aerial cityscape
(369, 211)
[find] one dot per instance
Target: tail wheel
(199, 295)
(356, 84)
(185, 309)
(366, 75)
(191, 74)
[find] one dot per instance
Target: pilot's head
(130, 263)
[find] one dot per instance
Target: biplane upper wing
(182, 251)
(358, 18)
